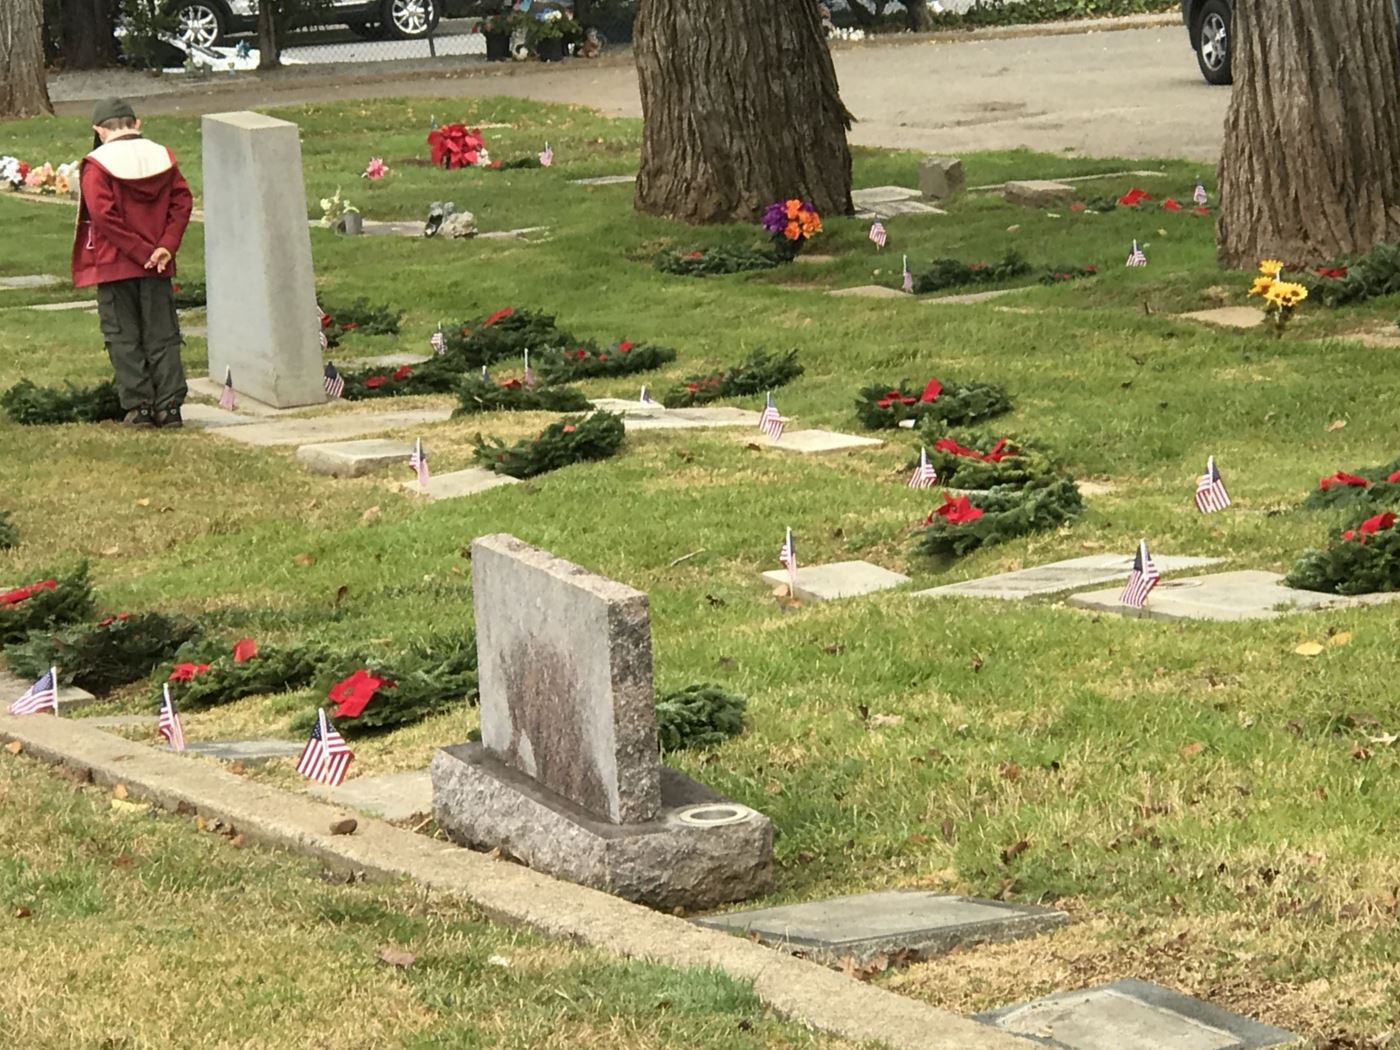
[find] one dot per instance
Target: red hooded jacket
(134, 200)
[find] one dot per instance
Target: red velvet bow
(895, 397)
(580, 354)
(1394, 477)
(1343, 478)
(119, 618)
(624, 346)
(931, 392)
(1370, 527)
(1171, 204)
(958, 511)
(244, 650)
(374, 382)
(1336, 273)
(499, 315)
(512, 384)
(20, 594)
(352, 694)
(998, 453)
(186, 672)
(403, 373)
(1134, 197)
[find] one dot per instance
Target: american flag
(42, 695)
(169, 725)
(529, 376)
(485, 375)
(878, 234)
(439, 341)
(327, 756)
(322, 319)
(1210, 490)
(419, 461)
(1142, 579)
(925, 477)
(787, 558)
(1201, 197)
(646, 397)
(546, 156)
(335, 382)
(771, 422)
(1136, 257)
(908, 277)
(226, 399)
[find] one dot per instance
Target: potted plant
(549, 36)
(497, 29)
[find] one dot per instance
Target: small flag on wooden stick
(908, 278)
(1201, 197)
(169, 725)
(878, 234)
(327, 756)
(335, 382)
(646, 397)
(924, 477)
(771, 421)
(226, 399)
(529, 376)
(1210, 490)
(787, 557)
(1141, 580)
(1136, 257)
(438, 341)
(41, 696)
(546, 156)
(418, 461)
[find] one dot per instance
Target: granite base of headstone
(941, 178)
(567, 778)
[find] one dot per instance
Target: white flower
(325, 204)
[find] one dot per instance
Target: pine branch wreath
(698, 716)
(1364, 559)
(1367, 487)
(1005, 513)
(949, 404)
(479, 395)
(506, 334)
(710, 262)
(951, 273)
(359, 316)
(982, 459)
(588, 362)
(574, 440)
(102, 657)
(756, 374)
(1061, 274)
(53, 601)
(31, 405)
(206, 674)
(191, 294)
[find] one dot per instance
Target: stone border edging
(792, 988)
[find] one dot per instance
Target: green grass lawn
(1205, 802)
(125, 928)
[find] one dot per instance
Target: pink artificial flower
(377, 169)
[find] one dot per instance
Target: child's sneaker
(169, 417)
(139, 417)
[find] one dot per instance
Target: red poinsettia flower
(375, 382)
(403, 373)
(20, 594)
(1394, 477)
(931, 392)
(499, 315)
(352, 694)
(569, 428)
(1343, 478)
(624, 346)
(1336, 273)
(694, 388)
(244, 650)
(1171, 204)
(1091, 268)
(1134, 197)
(977, 266)
(186, 672)
(453, 146)
(958, 511)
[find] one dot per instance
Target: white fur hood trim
(132, 158)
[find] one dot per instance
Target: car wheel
(1213, 42)
(366, 30)
(201, 23)
(410, 19)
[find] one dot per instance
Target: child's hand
(159, 260)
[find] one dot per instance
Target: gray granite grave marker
(1226, 596)
(353, 459)
(1058, 576)
(249, 752)
(841, 579)
(393, 796)
(1038, 193)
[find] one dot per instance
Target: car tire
(203, 23)
(1211, 37)
(409, 19)
(366, 30)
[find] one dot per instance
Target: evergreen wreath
(982, 459)
(1367, 487)
(100, 658)
(1060, 274)
(505, 334)
(698, 716)
(9, 533)
(476, 394)
(710, 262)
(881, 406)
(756, 374)
(191, 294)
(51, 602)
(571, 440)
(951, 273)
(207, 674)
(31, 405)
(437, 375)
(983, 519)
(1356, 279)
(359, 316)
(588, 362)
(1365, 559)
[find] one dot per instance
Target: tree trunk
(862, 15)
(86, 38)
(920, 18)
(24, 89)
(269, 49)
(1311, 164)
(740, 108)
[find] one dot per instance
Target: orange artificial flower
(792, 231)
(794, 208)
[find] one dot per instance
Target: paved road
(1132, 93)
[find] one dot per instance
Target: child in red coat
(134, 209)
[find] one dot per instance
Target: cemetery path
(1129, 93)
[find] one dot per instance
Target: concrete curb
(802, 991)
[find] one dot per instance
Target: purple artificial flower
(775, 217)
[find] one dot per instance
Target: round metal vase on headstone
(352, 224)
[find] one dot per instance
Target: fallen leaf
(1360, 753)
(120, 791)
(238, 841)
(1336, 424)
(22, 912)
(305, 559)
(125, 860)
(237, 767)
(948, 831)
(143, 502)
(345, 827)
(110, 552)
(917, 839)
(1161, 233)
(886, 720)
(1010, 770)
(128, 808)
(14, 747)
(1340, 638)
(372, 515)
(834, 650)
(340, 594)
(1192, 750)
(397, 957)
(1014, 850)
(977, 663)
(1309, 649)
(1016, 228)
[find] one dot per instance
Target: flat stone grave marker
(308, 430)
(409, 228)
(1059, 576)
(249, 752)
(840, 579)
(30, 280)
(497, 235)
(892, 209)
(870, 291)
(387, 360)
(393, 796)
(997, 186)
(209, 417)
(567, 777)
(1038, 193)
(1226, 596)
(816, 442)
(1133, 1014)
(1228, 317)
(70, 697)
(968, 298)
(353, 459)
(882, 195)
(869, 924)
(53, 308)
(605, 180)
(119, 721)
(209, 388)
(712, 417)
(621, 406)
(458, 483)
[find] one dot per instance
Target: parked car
(209, 22)
(1210, 23)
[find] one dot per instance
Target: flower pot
(352, 224)
(550, 49)
(497, 47)
(786, 250)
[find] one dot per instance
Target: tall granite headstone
(567, 777)
(257, 261)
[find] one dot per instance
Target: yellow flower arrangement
(1271, 268)
(1262, 286)
(1285, 294)
(1280, 297)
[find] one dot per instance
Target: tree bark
(86, 39)
(24, 88)
(920, 18)
(740, 108)
(269, 44)
(1311, 164)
